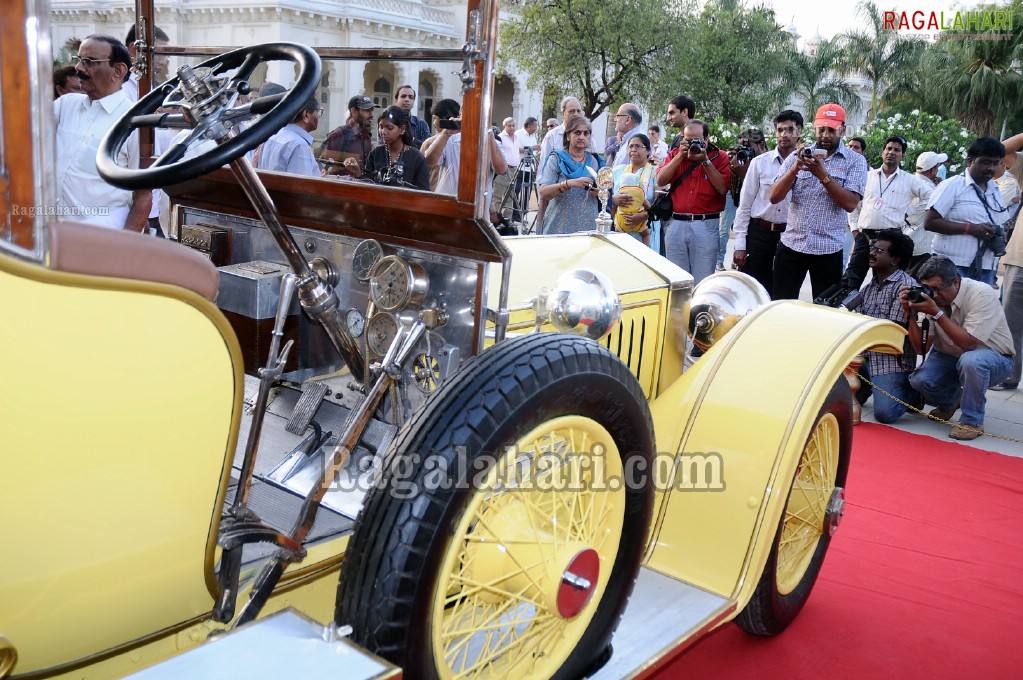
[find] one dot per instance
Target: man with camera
(892, 199)
(354, 139)
(825, 182)
(966, 213)
(758, 222)
(751, 144)
(698, 174)
(889, 255)
(444, 150)
(972, 349)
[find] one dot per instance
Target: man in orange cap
(826, 181)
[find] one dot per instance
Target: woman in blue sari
(567, 182)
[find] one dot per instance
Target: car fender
(747, 407)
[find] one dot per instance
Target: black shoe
(1005, 386)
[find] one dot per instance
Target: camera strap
(987, 208)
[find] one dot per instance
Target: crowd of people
(932, 245)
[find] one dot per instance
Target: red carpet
(923, 579)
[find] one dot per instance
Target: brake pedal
(312, 394)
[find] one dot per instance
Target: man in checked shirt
(888, 203)
(889, 255)
(824, 183)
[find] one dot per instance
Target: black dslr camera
(840, 297)
(916, 293)
(695, 145)
(997, 243)
(744, 152)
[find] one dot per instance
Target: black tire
(772, 608)
(393, 565)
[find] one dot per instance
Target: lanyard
(884, 188)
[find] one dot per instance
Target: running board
(663, 617)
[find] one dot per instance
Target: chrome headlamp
(583, 301)
(719, 302)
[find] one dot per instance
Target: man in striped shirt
(823, 187)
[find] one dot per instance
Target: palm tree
(814, 77)
(979, 80)
(879, 54)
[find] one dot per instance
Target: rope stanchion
(914, 409)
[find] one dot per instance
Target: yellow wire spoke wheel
(531, 555)
(504, 553)
(804, 521)
(812, 512)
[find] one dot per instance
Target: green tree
(979, 81)
(732, 63)
(602, 52)
(814, 77)
(879, 54)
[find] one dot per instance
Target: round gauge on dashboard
(365, 257)
(380, 333)
(396, 283)
(355, 321)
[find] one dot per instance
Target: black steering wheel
(209, 117)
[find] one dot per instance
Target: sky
(834, 18)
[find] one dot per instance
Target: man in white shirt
(528, 146)
(658, 148)
(131, 88)
(628, 123)
(758, 222)
(83, 120)
(964, 212)
(927, 165)
(509, 145)
(291, 150)
(445, 149)
(891, 198)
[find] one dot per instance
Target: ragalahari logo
(987, 20)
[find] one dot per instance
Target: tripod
(522, 191)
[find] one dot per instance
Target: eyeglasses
(87, 62)
(875, 249)
(635, 147)
(621, 115)
(585, 133)
(551, 127)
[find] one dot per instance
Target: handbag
(661, 209)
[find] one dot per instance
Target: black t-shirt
(410, 170)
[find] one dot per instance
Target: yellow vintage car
(478, 457)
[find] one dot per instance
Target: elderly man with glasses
(892, 199)
(290, 150)
(972, 349)
(83, 119)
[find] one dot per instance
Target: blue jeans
(986, 275)
(726, 223)
(886, 409)
(943, 378)
(692, 246)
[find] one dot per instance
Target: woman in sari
(634, 187)
(567, 183)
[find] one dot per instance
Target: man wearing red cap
(826, 182)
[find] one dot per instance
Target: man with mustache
(824, 183)
(964, 210)
(892, 199)
(102, 65)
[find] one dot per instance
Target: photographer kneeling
(972, 349)
(888, 257)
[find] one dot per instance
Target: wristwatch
(706, 162)
(935, 317)
(826, 180)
